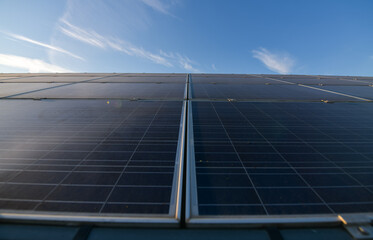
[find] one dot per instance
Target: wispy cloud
(54, 48)
(181, 60)
(186, 63)
(87, 36)
(213, 67)
(280, 63)
(97, 40)
(158, 5)
(30, 64)
(132, 50)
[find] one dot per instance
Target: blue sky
(209, 36)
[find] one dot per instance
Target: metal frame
(191, 208)
(176, 197)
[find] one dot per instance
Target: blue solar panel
(93, 156)
(283, 158)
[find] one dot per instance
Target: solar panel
(282, 158)
(360, 91)
(89, 156)
(172, 78)
(276, 92)
(280, 79)
(47, 80)
(338, 81)
(63, 78)
(10, 89)
(110, 91)
(231, 79)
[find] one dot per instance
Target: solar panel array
(112, 144)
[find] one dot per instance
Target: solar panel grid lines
(251, 182)
(340, 180)
(258, 147)
(118, 91)
(72, 144)
(233, 116)
(269, 93)
(47, 86)
(321, 81)
(80, 163)
(299, 175)
(116, 183)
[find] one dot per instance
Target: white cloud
(213, 67)
(30, 64)
(280, 63)
(23, 38)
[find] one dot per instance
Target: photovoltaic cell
(280, 79)
(11, 89)
(360, 91)
(231, 79)
(88, 156)
(322, 80)
(48, 79)
(283, 158)
(263, 92)
(172, 78)
(111, 90)
(106, 78)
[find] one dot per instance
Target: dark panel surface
(359, 91)
(12, 89)
(49, 79)
(272, 92)
(112, 90)
(90, 77)
(231, 79)
(93, 156)
(280, 79)
(283, 158)
(323, 80)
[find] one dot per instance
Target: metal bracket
(359, 226)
